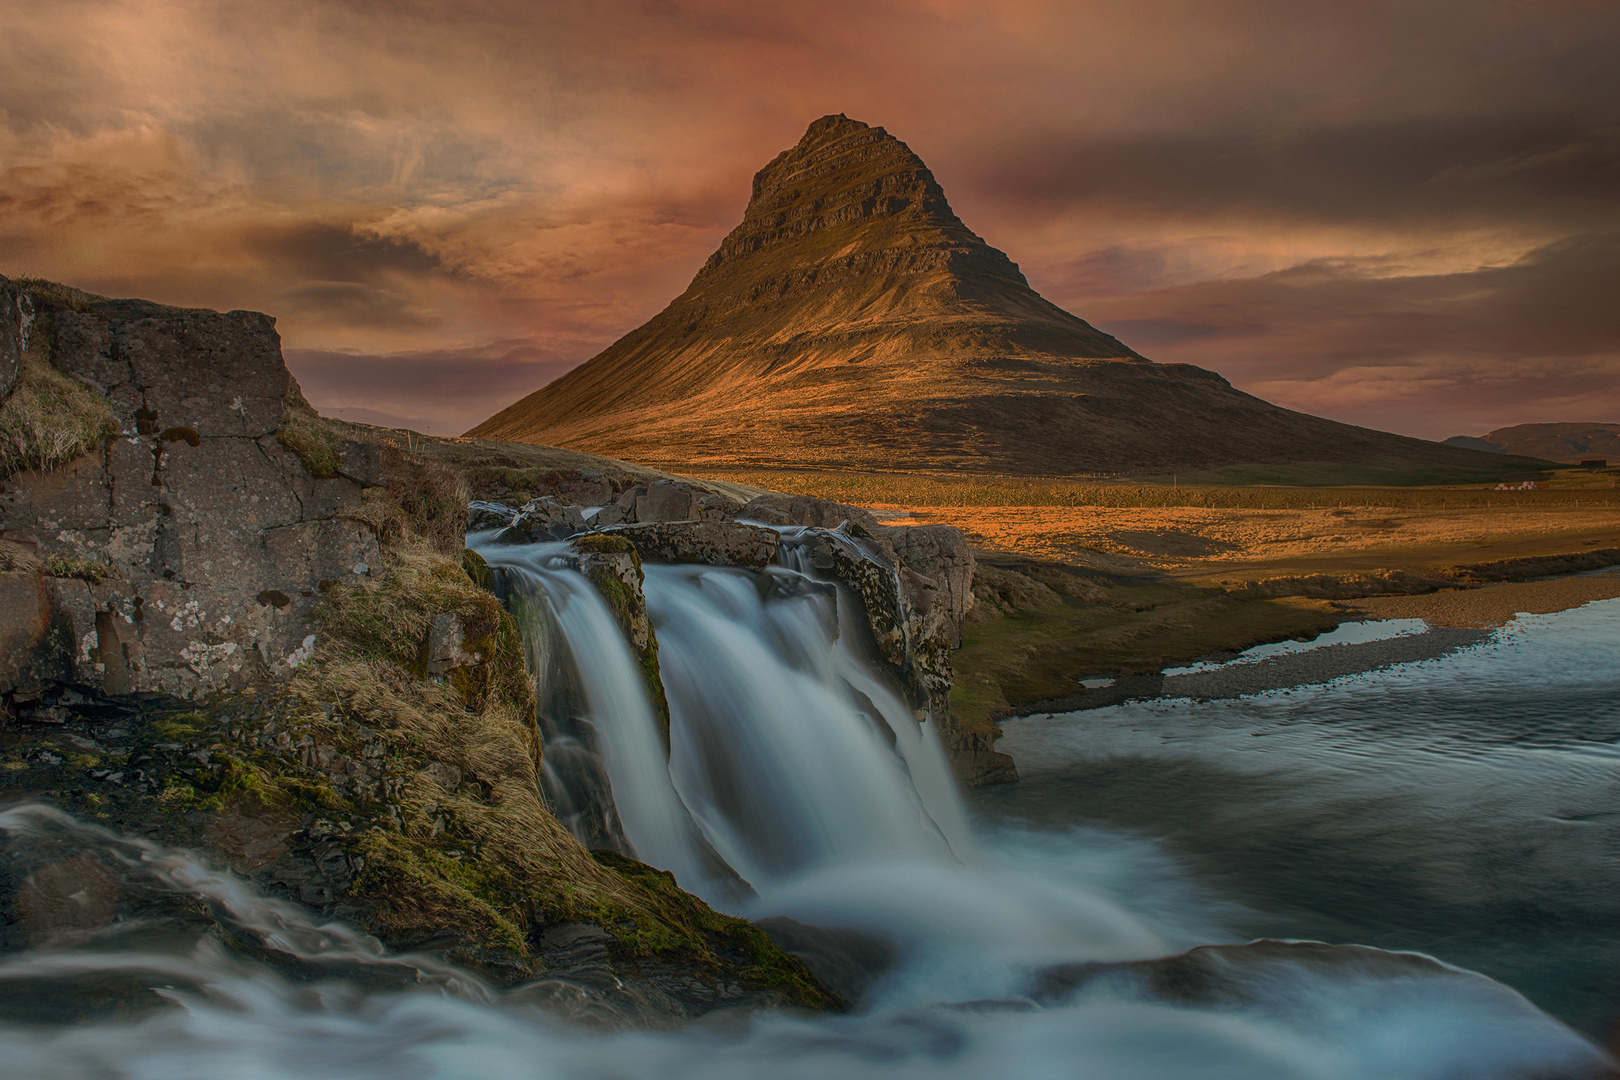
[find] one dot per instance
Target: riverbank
(1040, 633)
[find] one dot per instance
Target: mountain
(853, 321)
(1553, 442)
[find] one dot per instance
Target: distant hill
(1552, 442)
(852, 321)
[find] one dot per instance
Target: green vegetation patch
(1048, 627)
(60, 566)
(313, 442)
(761, 961)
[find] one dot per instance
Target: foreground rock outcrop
(231, 626)
(851, 320)
(188, 553)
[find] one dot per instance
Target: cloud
(1541, 170)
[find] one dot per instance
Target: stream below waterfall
(1462, 808)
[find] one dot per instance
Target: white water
(781, 767)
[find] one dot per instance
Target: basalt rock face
(187, 553)
(853, 321)
(16, 317)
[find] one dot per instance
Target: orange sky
(1399, 214)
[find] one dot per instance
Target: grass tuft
(49, 419)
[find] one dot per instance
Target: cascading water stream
(790, 748)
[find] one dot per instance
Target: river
(1461, 808)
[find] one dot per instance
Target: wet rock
(846, 961)
(612, 563)
(483, 515)
(717, 543)
(915, 586)
(544, 518)
(975, 759)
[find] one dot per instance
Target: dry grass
(922, 490)
(1188, 539)
(49, 419)
(53, 295)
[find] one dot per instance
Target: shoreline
(1457, 619)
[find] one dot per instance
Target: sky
(1398, 214)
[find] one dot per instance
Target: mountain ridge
(852, 320)
(1565, 442)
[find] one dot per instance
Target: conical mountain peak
(861, 187)
(851, 320)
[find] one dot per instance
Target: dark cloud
(354, 303)
(326, 252)
(1430, 354)
(440, 392)
(1429, 171)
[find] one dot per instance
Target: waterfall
(791, 747)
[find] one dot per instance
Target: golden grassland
(1235, 532)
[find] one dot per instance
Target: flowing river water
(1452, 825)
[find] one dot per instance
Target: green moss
(177, 727)
(605, 544)
(421, 889)
(629, 610)
(689, 923)
(1041, 652)
(314, 444)
(476, 569)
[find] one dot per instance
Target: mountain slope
(1554, 442)
(852, 321)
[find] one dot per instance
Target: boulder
(544, 518)
(586, 491)
(667, 500)
(718, 543)
(482, 516)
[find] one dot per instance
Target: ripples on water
(1468, 807)
(1461, 807)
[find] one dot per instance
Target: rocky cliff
(853, 321)
(187, 553)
